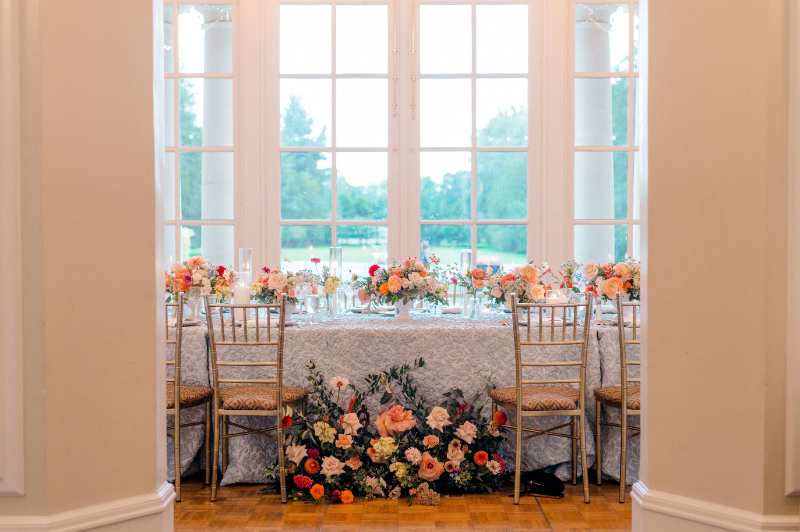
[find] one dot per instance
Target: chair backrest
(570, 335)
(635, 306)
(249, 313)
(177, 340)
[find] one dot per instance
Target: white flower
(467, 432)
(590, 270)
(413, 455)
(296, 453)
(598, 285)
(287, 259)
(339, 382)
(438, 419)
(176, 267)
(455, 455)
(196, 277)
(350, 423)
(331, 466)
(493, 466)
(277, 281)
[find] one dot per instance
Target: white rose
(296, 453)
(438, 418)
(590, 270)
(598, 286)
(455, 455)
(331, 466)
(350, 423)
(277, 281)
(467, 432)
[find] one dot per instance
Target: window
(607, 195)
(199, 177)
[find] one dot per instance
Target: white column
(217, 178)
(593, 124)
(169, 98)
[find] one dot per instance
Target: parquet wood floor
(243, 509)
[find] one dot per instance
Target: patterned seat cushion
(612, 395)
(190, 395)
(540, 398)
(258, 396)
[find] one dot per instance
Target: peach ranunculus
(529, 273)
(350, 423)
(345, 441)
(478, 274)
(535, 292)
(507, 278)
(467, 432)
(496, 292)
(438, 419)
(373, 454)
(430, 441)
(396, 271)
(623, 271)
(394, 283)
(478, 283)
(430, 468)
(612, 286)
(276, 281)
(331, 466)
(396, 419)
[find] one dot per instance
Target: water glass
(312, 306)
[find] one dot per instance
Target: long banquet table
(458, 353)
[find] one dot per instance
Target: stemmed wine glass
(312, 306)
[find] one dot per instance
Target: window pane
(445, 40)
(502, 39)
(207, 186)
(502, 245)
(501, 112)
(214, 242)
(206, 112)
(362, 113)
(637, 187)
(305, 41)
(601, 112)
(445, 113)
(169, 186)
(362, 39)
(601, 37)
(636, 38)
(361, 185)
(306, 112)
(306, 186)
(602, 243)
(502, 186)
(301, 243)
(205, 38)
(636, 127)
(446, 185)
(601, 185)
(169, 112)
(169, 245)
(362, 246)
(169, 46)
(445, 241)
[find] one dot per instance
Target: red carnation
(496, 457)
(302, 481)
(221, 270)
(287, 422)
(265, 270)
(372, 270)
(500, 417)
(315, 261)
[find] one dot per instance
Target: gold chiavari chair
(249, 397)
(187, 397)
(627, 398)
(549, 397)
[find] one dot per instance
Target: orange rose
(317, 491)
(384, 289)
(312, 467)
(478, 274)
(612, 286)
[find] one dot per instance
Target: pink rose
(362, 296)
(438, 418)
(612, 286)
(395, 284)
(467, 432)
(331, 466)
(430, 469)
(396, 419)
(535, 291)
(350, 423)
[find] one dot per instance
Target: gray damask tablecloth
(458, 353)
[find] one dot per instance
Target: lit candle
(245, 255)
(335, 261)
(241, 292)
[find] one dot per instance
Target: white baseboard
(94, 517)
(655, 511)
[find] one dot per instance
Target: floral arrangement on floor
(406, 281)
(523, 280)
(605, 280)
(198, 273)
(409, 449)
(270, 284)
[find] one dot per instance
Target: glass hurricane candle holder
(335, 262)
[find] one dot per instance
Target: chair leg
(623, 456)
(598, 464)
(574, 432)
(215, 458)
(208, 442)
(518, 468)
(177, 441)
(225, 429)
(281, 467)
(583, 456)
